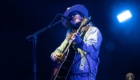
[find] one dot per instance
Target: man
(86, 45)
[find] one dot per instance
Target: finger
(59, 57)
(57, 54)
(75, 34)
(72, 38)
(78, 33)
(53, 58)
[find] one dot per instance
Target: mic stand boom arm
(33, 37)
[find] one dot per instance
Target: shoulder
(93, 29)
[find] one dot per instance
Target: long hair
(74, 30)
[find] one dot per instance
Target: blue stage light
(124, 16)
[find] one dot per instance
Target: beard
(76, 24)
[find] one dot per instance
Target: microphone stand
(33, 37)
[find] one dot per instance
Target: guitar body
(62, 68)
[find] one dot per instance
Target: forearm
(61, 47)
(89, 48)
(92, 43)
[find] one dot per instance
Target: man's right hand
(57, 57)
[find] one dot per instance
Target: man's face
(76, 18)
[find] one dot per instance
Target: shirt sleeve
(93, 41)
(61, 47)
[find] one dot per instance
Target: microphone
(66, 17)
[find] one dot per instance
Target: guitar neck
(70, 42)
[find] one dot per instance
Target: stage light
(124, 16)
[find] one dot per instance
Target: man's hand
(76, 38)
(57, 57)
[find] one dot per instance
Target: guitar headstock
(86, 22)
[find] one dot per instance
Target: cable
(89, 67)
(54, 19)
(82, 36)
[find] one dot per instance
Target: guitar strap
(83, 34)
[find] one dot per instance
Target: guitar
(62, 68)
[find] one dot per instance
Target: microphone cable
(54, 19)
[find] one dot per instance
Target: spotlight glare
(124, 16)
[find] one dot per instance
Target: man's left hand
(76, 38)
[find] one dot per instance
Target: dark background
(120, 49)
